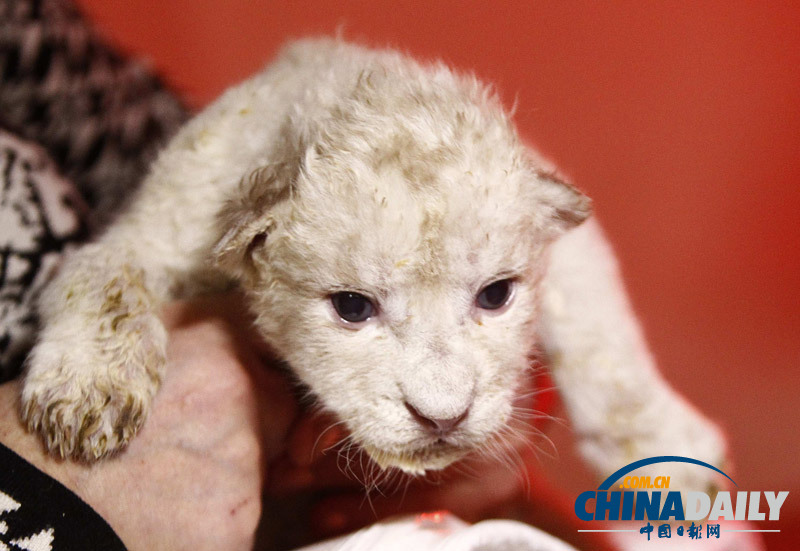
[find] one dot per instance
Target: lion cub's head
(393, 253)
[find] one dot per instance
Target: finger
(347, 512)
(312, 436)
(548, 509)
(276, 405)
(331, 472)
(469, 496)
(309, 462)
(343, 466)
(285, 478)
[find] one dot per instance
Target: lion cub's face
(398, 277)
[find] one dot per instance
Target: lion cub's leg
(100, 356)
(620, 406)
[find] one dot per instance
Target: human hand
(351, 491)
(192, 478)
(347, 492)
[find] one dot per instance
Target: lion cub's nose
(439, 427)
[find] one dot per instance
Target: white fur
(340, 168)
(620, 406)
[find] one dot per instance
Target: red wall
(682, 121)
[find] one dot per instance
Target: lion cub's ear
(564, 206)
(233, 253)
(245, 221)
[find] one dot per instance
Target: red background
(681, 120)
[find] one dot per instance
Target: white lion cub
(402, 250)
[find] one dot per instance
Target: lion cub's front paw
(86, 423)
(88, 394)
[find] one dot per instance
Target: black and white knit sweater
(72, 111)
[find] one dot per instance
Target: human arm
(193, 479)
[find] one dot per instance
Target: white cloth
(441, 531)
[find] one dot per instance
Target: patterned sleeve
(37, 513)
(41, 216)
(100, 115)
(73, 112)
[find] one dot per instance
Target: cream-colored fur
(345, 169)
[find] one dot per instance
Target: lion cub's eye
(352, 307)
(495, 295)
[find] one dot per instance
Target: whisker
(316, 442)
(526, 434)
